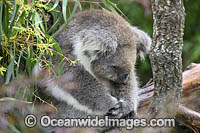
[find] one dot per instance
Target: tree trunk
(165, 56)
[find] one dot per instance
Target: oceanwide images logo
(46, 121)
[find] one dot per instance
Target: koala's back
(97, 20)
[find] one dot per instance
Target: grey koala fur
(104, 80)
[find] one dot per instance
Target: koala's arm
(127, 95)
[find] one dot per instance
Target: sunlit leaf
(55, 5)
(2, 70)
(64, 9)
(39, 21)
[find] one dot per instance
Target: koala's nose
(124, 78)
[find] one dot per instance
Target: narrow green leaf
(13, 128)
(57, 46)
(14, 14)
(54, 6)
(28, 60)
(77, 3)
(18, 63)
(80, 6)
(53, 27)
(10, 70)
(64, 9)
(6, 19)
(115, 6)
(21, 18)
(1, 23)
(30, 15)
(55, 16)
(109, 5)
(105, 3)
(39, 58)
(38, 21)
(45, 19)
(61, 67)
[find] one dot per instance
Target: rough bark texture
(165, 56)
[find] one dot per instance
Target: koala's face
(114, 69)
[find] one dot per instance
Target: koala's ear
(143, 42)
(94, 43)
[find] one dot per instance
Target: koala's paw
(116, 111)
(121, 110)
(130, 115)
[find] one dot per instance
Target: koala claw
(116, 111)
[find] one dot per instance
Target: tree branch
(188, 117)
(191, 87)
(191, 83)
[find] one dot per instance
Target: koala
(104, 81)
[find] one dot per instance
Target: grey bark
(165, 56)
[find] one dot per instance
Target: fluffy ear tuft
(143, 43)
